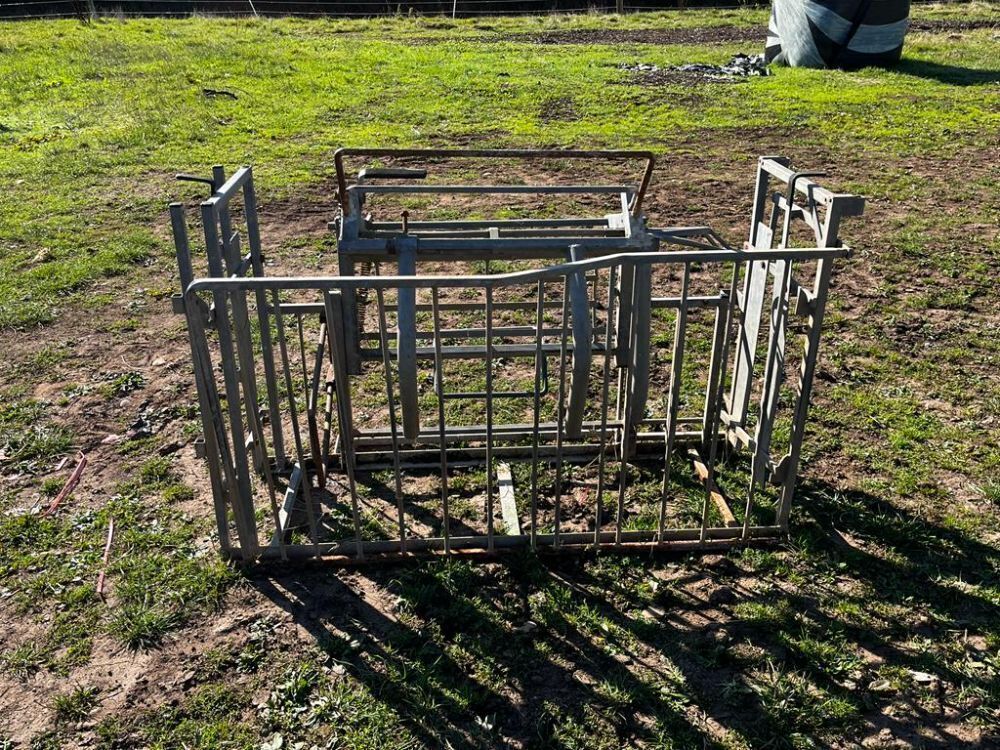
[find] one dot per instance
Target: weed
(48, 740)
(990, 491)
(155, 471)
(141, 626)
(51, 486)
(27, 436)
(21, 662)
(288, 700)
(76, 705)
(125, 383)
(178, 493)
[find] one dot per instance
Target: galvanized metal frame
(603, 367)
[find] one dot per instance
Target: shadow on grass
(872, 622)
(954, 75)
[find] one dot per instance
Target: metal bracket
(207, 311)
(779, 471)
(805, 303)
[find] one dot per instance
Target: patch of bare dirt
(697, 35)
(558, 109)
(678, 77)
(953, 25)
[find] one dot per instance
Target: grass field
(877, 624)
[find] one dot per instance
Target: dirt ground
(308, 606)
(702, 35)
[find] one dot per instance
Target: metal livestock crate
(480, 383)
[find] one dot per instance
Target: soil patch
(697, 35)
(951, 25)
(559, 109)
(677, 77)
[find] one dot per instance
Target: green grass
(893, 567)
(160, 581)
(123, 104)
(27, 434)
(75, 705)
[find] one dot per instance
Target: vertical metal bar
(439, 375)
(247, 368)
(246, 526)
(181, 246)
(393, 429)
(770, 393)
(751, 308)
(406, 340)
(266, 345)
(716, 370)
(594, 295)
(751, 303)
(272, 493)
(638, 391)
(312, 408)
(710, 435)
(345, 267)
(760, 196)
(561, 409)
(489, 418)
(824, 268)
(337, 339)
(208, 396)
(225, 222)
(212, 423)
(302, 359)
(622, 483)
(328, 413)
(247, 372)
(279, 319)
(539, 363)
(583, 336)
(620, 394)
(623, 320)
(605, 383)
(624, 376)
(774, 371)
(218, 177)
(673, 405)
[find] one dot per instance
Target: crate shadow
(670, 651)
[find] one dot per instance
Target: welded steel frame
(247, 434)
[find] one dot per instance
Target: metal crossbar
(645, 390)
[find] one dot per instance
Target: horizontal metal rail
(331, 283)
(583, 221)
(679, 539)
(495, 189)
(636, 207)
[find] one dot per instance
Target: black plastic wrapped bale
(837, 33)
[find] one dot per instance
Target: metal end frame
(624, 387)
